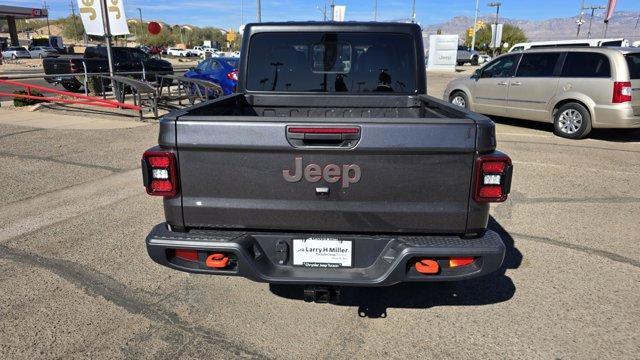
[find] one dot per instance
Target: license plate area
(323, 253)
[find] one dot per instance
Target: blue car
(222, 71)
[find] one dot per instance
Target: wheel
(572, 121)
(73, 87)
(458, 98)
(474, 61)
(460, 63)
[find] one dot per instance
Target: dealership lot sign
(91, 14)
(443, 52)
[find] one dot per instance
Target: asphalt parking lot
(76, 281)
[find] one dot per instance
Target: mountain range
(623, 24)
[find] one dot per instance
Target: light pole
(375, 10)
(413, 12)
(107, 33)
(475, 26)
(259, 11)
(495, 33)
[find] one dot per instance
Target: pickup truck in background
(330, 167)
(466, 56)
(95, 59)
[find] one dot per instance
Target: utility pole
(593, 10)
(259, 11)
(475, 26)
(375, 10)
(107, 33)
(141, 27)
(46, 7)
(495, 33)
(75, 26)
(413, 12)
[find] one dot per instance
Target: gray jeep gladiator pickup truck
(330, 167)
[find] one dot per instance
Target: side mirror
(476, 74)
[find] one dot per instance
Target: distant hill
(621, 25)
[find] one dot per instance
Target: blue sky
(226, 13)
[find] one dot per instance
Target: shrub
(18, 101)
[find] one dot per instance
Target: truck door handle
(517, 83)
(324, 136)
(503, 83)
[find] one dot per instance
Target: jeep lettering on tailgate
(331, 173)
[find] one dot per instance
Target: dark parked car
(95, 59)
(222, 71)
(330, 167)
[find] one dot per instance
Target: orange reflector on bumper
(460, 261)
(427, 266)
(217, 260)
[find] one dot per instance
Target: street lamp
(495, 32)
(475, 26)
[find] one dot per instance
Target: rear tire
(474, 61)
(572, 121)
(459, 98)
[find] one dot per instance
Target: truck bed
(416, 155)
(327, 106)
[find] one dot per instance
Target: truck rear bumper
(378, 260)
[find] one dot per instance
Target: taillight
(621, 92)
(159, 173)
(233, 75)
(493, 178)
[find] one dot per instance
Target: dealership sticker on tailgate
(322, 252)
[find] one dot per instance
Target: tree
(511, 34)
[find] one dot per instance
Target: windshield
(332, 62)
(633, 60)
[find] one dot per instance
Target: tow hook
(217, 261)
(322, 294)
(427, 266)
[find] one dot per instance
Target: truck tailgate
(400, 175)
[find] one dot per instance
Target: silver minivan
(576, 89)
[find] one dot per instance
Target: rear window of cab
(346, 62)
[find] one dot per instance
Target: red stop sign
(154, 28)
